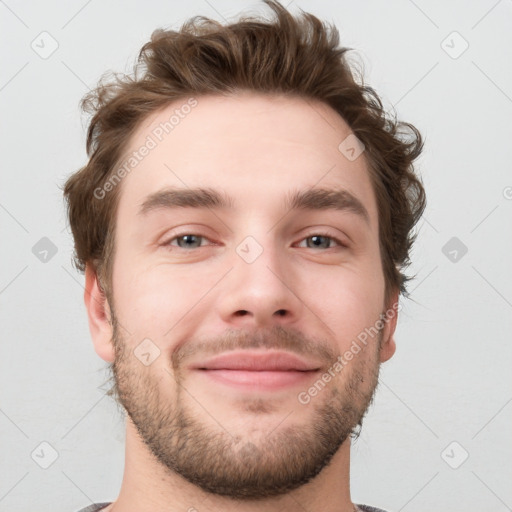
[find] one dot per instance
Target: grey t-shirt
(96, 507)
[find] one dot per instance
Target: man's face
(255, 277)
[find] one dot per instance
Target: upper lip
(257, 361)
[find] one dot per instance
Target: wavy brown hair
(296, 56)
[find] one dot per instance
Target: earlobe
(388, 347)
(98, 312)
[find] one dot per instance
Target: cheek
(151, 300)
(348, 301)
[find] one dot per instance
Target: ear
(98, 312)
(388, 346)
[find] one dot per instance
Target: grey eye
(321, 241)
(189, 241)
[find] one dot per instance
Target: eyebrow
(312, 199)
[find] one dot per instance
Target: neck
(147, 486)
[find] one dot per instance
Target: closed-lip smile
(256, 370)
(257, 361)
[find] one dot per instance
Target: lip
(257, 361)
(249, 371)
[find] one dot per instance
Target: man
(243, 222)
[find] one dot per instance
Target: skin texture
(192, 442)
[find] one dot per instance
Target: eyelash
(326, 235)
(316, 233)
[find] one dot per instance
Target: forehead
(254, 148)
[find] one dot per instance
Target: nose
(262, 289)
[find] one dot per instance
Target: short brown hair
(295, 56)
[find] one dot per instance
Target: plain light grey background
(438, 434)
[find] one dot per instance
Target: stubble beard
(235, 466)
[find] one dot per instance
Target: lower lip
(259, 380)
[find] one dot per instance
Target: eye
(314, 241)
(322, 241)
(186, 241)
